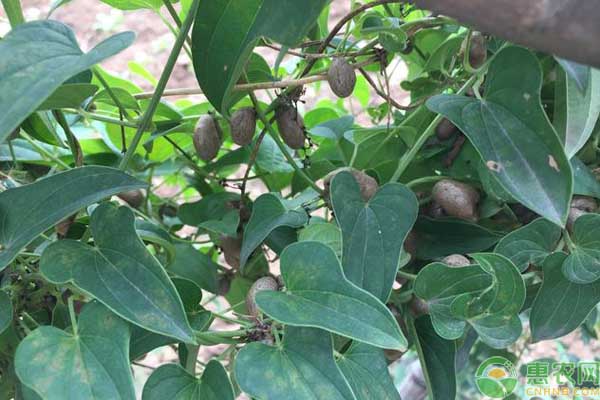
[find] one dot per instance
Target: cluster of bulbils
(208, 136)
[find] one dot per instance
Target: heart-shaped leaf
(125, 276)
(585, 182)
(195, 266)
(225, 32)
(268, 213)
(92, 364)
(171, 381)
(488, 296)
(37, 58)
(366, 370)
(576, 116)
(583, 264)
(441, 237)
(318, 295)
(6, 311)
(69, 95)
(325, 233)
(29, 210)
(512, 134)
(561, 305)
(302, 368)
(437, 357)
(373, 232)
(530, 244)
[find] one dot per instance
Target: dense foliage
(314, 237)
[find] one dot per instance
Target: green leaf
(583, 264)
(6, 311)
(512, 134)
(29, 210)
(326, 233)
(268, 213)
(226, 31)
(318, 295)
(585, 182)
(581, 111)
(213, 206)
(152, 233)
(579, 73)
(193, 265)
(441, 237)
(92, 364)
(303, 368)
(488, 296)
(172, 382)
(561, 305)
(70, 95)
(126, 277)
(38, 57)
(530, 244)
(437, 356)
(373, 232)
(366, 370)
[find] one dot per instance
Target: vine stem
(249, 87)
(190, 362)
(43, 151)
(286, 154)
(162, 83)
(407, 275)
(339, 26)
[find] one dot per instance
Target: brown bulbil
(290, 125)
(232, 247)
(410, 244)
(135, 198)
(261, 284)
(341, 77)
(456, 260)
(456, 198)
(445, 129)
(368, 185)
(243, 126)
(580, 205)
(418, 307)
(584, 203)
(478, 50)
(207, 137)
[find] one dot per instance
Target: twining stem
(43, 151)
(101, 118)
(169, 6)
(162, 83)
(111, 94)
(407, 275)
(249, 87)
(408, 157)
(261, 115)
(13, 12)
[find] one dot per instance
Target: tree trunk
(567, 28)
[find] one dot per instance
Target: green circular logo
(496, 377)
